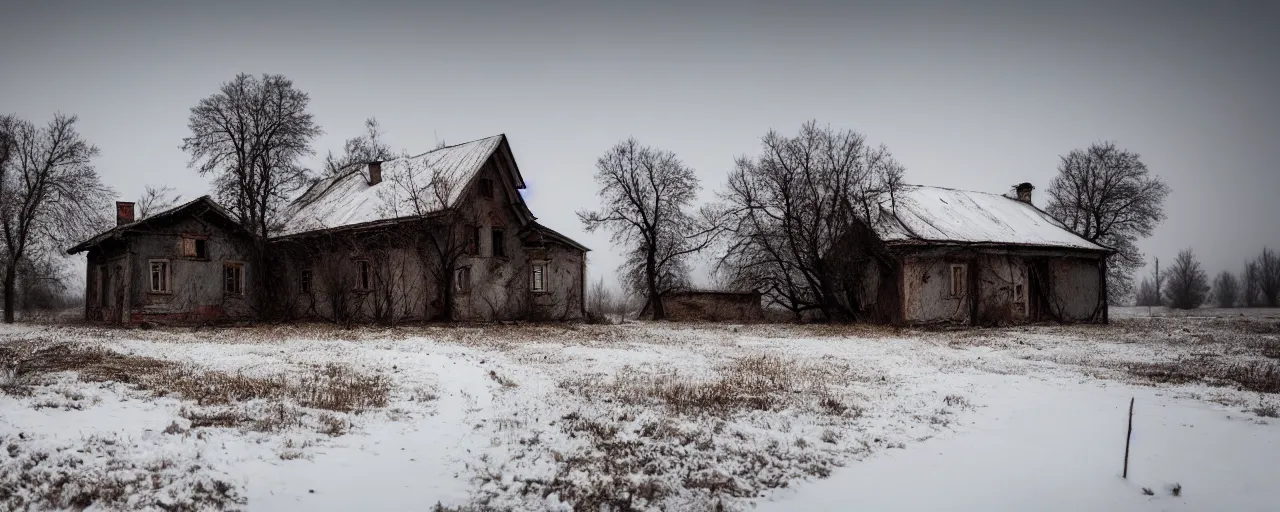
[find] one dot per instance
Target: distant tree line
(1185, 285)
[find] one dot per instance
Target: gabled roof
(947, 216)
(440, 176)
(548, 233)
(198, 205)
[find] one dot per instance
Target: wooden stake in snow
(1127, 437)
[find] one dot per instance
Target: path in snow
(391, 465)
(1058, 445)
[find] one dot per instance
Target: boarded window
(539, 276)
(233, 278)
(304, 280)
(486, 188)
(462, 280)
(193, 247)
(160, 276)
(958, 280)
(364, 275)
(499, 243)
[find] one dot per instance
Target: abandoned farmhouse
(954, 256)
(444, 234)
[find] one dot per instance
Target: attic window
(195, 247)
(1019, 294)
(486, 188)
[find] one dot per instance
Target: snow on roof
(410, 186)
(937, 214)
(155, 217)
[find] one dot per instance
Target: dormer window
(486, 188)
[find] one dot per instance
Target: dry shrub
(332, 387)
(1256, 376)
(751, 383)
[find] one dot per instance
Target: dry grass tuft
(332, 387)
(1256, 376)
(761, 383)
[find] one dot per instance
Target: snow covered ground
(643, 416)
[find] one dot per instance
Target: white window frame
(538, 271)
(239, 278)
(959, 270)
(165, 283)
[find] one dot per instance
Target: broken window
(462, 280)
(499, 243)
(364, 275)
(486, 188)
(160, 276)
(539, 276)
(195, 247)
(958, 280)
(233, 278)
(304, 280)
(1019, 294)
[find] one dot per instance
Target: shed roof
(410, 187)
(926, 215)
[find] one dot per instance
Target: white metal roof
(936, 214)
(416, 185)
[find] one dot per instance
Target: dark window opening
(233, 278)
(365, 275)
(499, 243)
(193, 247)
(486, 188)
(473, 240)
(304, 280)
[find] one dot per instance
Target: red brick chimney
(1024, 192)
(124, 212)
(375, 173)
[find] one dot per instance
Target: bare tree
(1250, 285)
(50, 194)
(250, 136)
(449, 233)
(647, 195)
(601, 304)
(1148, 293)
(1187, 286)
(799, 219)
(1226, 290)
(1106, 195)
(155, 200)
(1150, 289)
(1267, 268)
(365, 148)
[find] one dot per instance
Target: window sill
(153, 292)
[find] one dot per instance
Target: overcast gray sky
(979, 96)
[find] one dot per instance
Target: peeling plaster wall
(1075, 288)
(927, 296)
(195, 285)
(499, 285)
